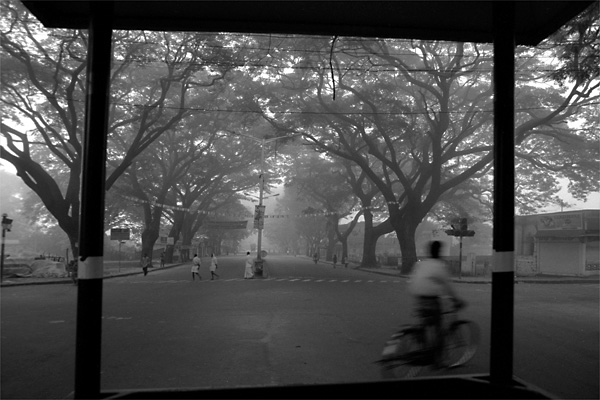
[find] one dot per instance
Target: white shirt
(429, 278)
(196, 264)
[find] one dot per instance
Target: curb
(62, 281)
(488, 281)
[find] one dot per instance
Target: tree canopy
(403, 128)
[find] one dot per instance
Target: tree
(321, 181)
(371, 202)
(227, 240)
(312, 229)
(301, 228)
(415, 117)
(283, 231)
(151, 178)
(43, 94)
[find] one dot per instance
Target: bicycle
(410, 349)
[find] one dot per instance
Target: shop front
(564, 243)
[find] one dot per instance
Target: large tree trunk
(372, 234)
(405, 230)
(331, 237)
(71, 227)
(369, 242)
(151, 231)
(149, 237)
(171, 248)
(345, 248)
(74, 241)
(369, 259)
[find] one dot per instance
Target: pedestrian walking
(196, 267)
(213, 266)
(145, 264)
(162, 259)
(345, 261)
(334, 259)
(248, 272)
(316, 257)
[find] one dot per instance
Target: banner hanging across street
(226, 224)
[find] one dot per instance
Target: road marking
(290, 279)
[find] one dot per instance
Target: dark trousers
(429, 310)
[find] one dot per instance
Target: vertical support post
(258, 266)
(460, 257)
(261, 193)
(2, 254)
(91, 225)
(501, 346)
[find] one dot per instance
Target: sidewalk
(593, 279)
(107, 275)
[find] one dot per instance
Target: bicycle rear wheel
(400, 358)
(461, 343)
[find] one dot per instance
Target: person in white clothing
(248, 272)
(196, 267)
(213, 266)
(430, 281)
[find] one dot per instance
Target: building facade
(563, 243)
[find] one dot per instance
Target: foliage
(415, 117)
(403, 126)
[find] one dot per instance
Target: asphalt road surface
(305, 323)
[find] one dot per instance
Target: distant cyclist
(429, 281)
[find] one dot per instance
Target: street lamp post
(6, 226)
(258, 264)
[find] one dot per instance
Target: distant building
(562, 243)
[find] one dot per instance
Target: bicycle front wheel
(460, 343)
(400, 355)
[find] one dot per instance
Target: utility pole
(260, 209)
(258, 265)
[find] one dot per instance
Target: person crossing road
(196, 267)
(213, 267)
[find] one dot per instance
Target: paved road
(306, 323)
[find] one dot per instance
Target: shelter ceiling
(467, 21)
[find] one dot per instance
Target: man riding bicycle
(430, 281)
